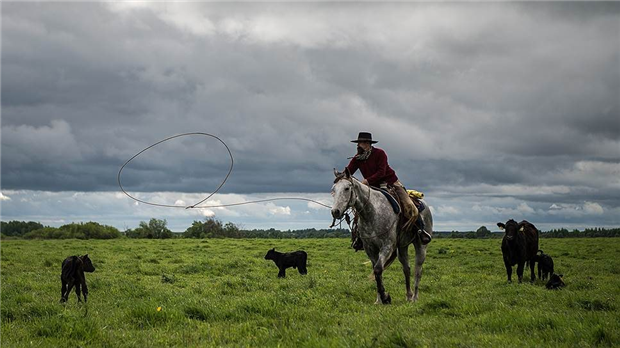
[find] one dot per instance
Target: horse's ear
(336, 173)
(347, 173)
(501, 226)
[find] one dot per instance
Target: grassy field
(223, 293)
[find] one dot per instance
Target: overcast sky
(493, 110)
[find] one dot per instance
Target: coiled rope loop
(196, 205)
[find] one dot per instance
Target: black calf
(545, 265)
(296, 259)
(555, 281)
(73, 268)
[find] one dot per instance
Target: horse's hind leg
(420, 256)
(403, 257)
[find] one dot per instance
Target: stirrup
(425, 237)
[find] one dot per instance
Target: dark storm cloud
(460, 95)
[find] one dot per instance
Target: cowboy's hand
(365, 182)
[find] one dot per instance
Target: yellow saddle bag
(415, 194)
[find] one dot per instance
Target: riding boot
(425, 237)
(410, 212)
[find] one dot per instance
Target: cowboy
(373, 163)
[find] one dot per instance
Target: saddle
(392, 197)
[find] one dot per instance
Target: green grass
(223, 293)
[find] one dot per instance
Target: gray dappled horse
(378, 227)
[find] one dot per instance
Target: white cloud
(22, 145)
(512, 190)
(315, 206)
(277, 210)
(593, 208)
(524, 208)
(207, 212)
(576, 210)
(447, 210)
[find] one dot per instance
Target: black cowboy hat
(364, 137)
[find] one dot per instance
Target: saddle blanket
(419, 204)
(390, 199)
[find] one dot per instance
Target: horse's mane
(341, 176)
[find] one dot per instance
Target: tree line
(155, 229)
(214, 228)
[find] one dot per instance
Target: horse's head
(342, 192)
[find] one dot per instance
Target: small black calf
(73, 268)
(545, 265)
(555, 281)
(296, 259)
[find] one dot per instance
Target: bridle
(356, 212)
(351, 200)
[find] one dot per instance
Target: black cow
(520, 244)
(545, 265)
(555, 281)
(296, 259)
(73, 268)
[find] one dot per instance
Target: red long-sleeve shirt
(375, 169)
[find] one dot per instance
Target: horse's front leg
(378, 268)
(403, 257)
(420, 256)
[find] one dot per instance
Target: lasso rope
(196, 205)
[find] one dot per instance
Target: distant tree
(483, 232)
(209, 228)
(232, 231)
(18, 228)
(155, 228)
(88, 230)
